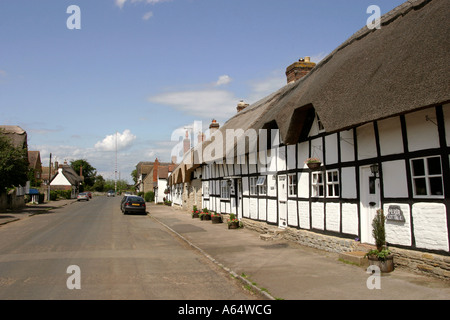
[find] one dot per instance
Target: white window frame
(262, 185)
(292, 184)
(253, 188)
(224, 190)
(333, 184)
(427, 176)
(206, 189)
(318, 185)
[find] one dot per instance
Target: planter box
(216, 219)
(233, 225)
(385, 266)
(206, 217)
(194, 215)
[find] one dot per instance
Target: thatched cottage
(375, 113)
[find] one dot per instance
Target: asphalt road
(90, 250)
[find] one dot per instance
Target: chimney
(186, 143)
(174, 159)
(299, 69)
(241, 106)
(81, 171)
(201, 137)
(155, 170)
(213, 127)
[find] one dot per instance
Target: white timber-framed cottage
(375, 112)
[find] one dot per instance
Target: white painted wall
(350, 218)
(394, 179)
(317, 215)
(390, 133)
(348, 178)
(333, 218)
(60, 179)
(303, 210)
(399, 232)
(366, 141)
(422, 134)
(430, 226)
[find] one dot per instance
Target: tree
(134, 175)
(99, 184)
(89, 172)
(13, 165)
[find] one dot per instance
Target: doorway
(282, 201)
(369, 203)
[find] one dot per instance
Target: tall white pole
(115, 171)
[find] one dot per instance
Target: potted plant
(216, 217)
(233, 223)
(381, 256)
(313, 163)
(205, 215)
(195, 213)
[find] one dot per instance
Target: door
(282, 201)
(370, 203)
(239, 198)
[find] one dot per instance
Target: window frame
(292, 184)
(333, 184)
(224, 190)
(315, 185)
(427, 176)
(261, 184)
(253, 189)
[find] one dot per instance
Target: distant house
(153, 176)
(66, 179)
(18, 138)
(34, 159)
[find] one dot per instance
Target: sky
(131, 75)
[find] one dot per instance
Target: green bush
(149, 196)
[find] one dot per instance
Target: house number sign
(395, 214)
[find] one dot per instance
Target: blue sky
(145, 68)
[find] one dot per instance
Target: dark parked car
(133, 204)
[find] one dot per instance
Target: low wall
(419, 262)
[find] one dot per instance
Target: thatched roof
(401, 67)
(16, 134)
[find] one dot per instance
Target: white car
(110, 193)
(83, 196)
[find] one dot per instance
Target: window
(206, 189)
(332, 184)
(224, 189)
(427, 177)
(262, 186)
(317, 184)
(292, 184)
(253, 189)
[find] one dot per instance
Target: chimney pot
(241, 106)
(299, 69)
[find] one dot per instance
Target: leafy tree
(13, 165)
(99, 184)
(134, 175)
(89, 172)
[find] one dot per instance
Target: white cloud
(124, 140)
(219, 104)
(147, 16)
(225, 79)
(121, 3)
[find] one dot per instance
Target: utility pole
(49, 176)
(115, 170)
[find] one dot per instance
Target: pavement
(277, 269)
(8, 216)
(281, 269)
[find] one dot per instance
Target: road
(115, 256)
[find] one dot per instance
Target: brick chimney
(241, 106)
(155, 170)
(299, 69)
(186, 143)
(201, 137)
(214, 126)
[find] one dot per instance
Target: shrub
(149, 196)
